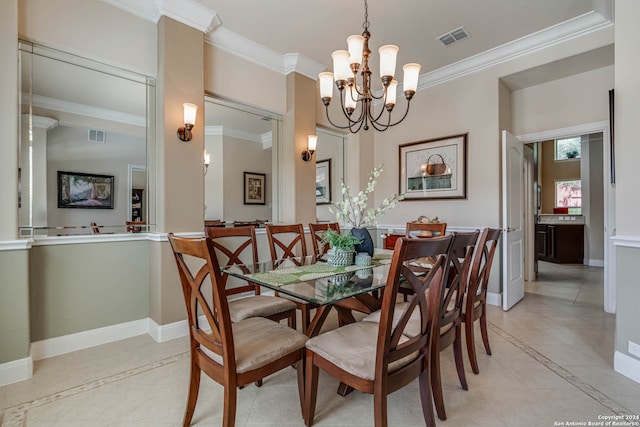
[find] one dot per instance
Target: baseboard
(16, 370)
(594, 262)
(85, 339)
(627, 366)
(494, 299)
(168, 332)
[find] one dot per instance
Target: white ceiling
(315, 29)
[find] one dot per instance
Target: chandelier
(358, 96)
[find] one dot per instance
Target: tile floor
(552, 362)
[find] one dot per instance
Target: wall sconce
(184, 132)
(207, 161)
(311, 148)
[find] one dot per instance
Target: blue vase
(367, 242)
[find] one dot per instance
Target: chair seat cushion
(259, 341)
(353, 349)
(258, 306)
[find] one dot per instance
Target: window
(567, 148)
(569, 195)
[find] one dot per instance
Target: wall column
(296, 195)
(180, 173)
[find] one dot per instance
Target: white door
(513, 221)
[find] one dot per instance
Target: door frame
(609, 196)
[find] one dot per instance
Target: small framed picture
(434, 168)
(85, 190)
(323, 182)
(254, 188)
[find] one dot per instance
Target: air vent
(265, 118)
(97, 136)
(453, 36)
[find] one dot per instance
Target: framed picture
(254, 188)
(85, 190)
(434, 168)
(323, 182)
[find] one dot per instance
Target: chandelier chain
(365, 24)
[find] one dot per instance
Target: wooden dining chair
(316, 231)
(235, 354)
(450, 314)
(135, 226)
(236, 246)
(420, 229)
(378, 357)
(287, 242)
(475, 306)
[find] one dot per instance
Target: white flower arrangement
(353, 210)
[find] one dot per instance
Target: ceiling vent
(453, 36)
(97, 136)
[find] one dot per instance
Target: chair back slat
(316, 231)
(286, 242)
(457, 276)
(198, 255)
(427, 289)
(235, 246)
(481, 268)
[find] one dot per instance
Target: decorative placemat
(290, 275)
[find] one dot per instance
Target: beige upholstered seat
(259, 342)
(232, 354)
(259, 306)
(379, 358)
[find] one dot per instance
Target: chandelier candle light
(347, 63)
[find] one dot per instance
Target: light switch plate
(634, 348)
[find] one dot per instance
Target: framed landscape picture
(434, 168)
(323, 182)
(85, 190)
(254, 188)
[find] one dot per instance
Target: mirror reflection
(330, 171)
(83, 144)
(239, 141)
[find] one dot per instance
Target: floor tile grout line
(15, 415)
(563, 373)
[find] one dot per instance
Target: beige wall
(14, 305)
(551, 171)
(91, 29)
(79, 287)
(574, 100)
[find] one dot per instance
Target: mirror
(83, 143)
(239, 139)
(330, 171)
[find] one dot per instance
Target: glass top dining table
(314, 280)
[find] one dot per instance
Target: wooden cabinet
(560, 243)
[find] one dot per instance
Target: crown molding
(556, 34)
(295, 62)
(187, 12)
(86, 110)
(46, 123)
(233, 133)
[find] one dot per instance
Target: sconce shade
(311, 147)
(184, 132)
(190, 113)
(313, 140)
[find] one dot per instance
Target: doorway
(608, 215)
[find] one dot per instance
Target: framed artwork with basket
(434, 168)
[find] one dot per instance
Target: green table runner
(297, 274)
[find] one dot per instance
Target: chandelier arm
(403, 117)
(375, 119)
(382, 127)
(334, 124)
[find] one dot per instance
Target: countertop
(561, 219)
